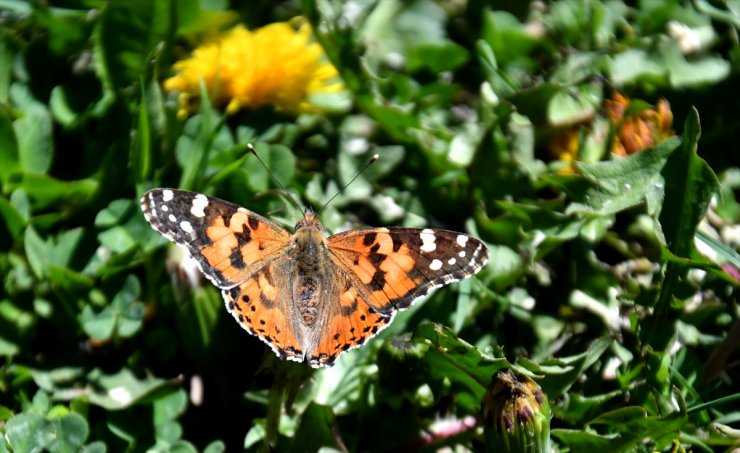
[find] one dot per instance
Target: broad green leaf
(122, 317)
(45, 191)
(689, 186)
(118, 239)
(125, 36)
(622, 183)
(114, 214)
(29, 432)
(580, 441)
(170, 406)
(635, 64)
(217, 446)
(11, 217)
(33, 131)
(70, 433)
(447, 358)
(561, 373)
(315, 429)
(120, 390)
(5, 413)
(702, 71)
(56, 251)
(569, 107)
(36, 250)
(437, 57)
(690, 183)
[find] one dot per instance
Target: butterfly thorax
(311, 263)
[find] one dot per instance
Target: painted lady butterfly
(308, 296)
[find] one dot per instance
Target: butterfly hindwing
(259, 307)
(229, 242)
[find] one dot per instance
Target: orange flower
(640, 130)
(278, 65)
(564, 146)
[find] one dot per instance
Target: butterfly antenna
(292, 199)
(359, 172)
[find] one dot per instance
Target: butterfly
(308, 296)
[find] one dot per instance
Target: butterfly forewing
(229, 242)
(393, 266)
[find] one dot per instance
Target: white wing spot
(451, 261)
(462, 240)
(435, 265)
(186, 226)
(172, 218)
(427, 239)
(461, 254)
(199, 202)
(167, 195)
(164, 208)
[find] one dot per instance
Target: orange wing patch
(381, 264)
(232, 249)
(353, 324)
(256, 305)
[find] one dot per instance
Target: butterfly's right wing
(228, 242)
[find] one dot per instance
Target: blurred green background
(591, 145)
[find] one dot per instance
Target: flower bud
(516, 415)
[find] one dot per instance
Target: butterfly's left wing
(229, 243)
(390, 267)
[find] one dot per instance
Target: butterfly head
(309, 222)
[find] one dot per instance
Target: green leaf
(217, 446)
(13, 220)
(634, 65)
(448, 359)
(278, 159)
(8, 145)
(569, 107)
(33, 131)
(701, 71)
(122, 317)
(170, 406)
(689, 186)
(622, 183)
(45, 191)
(36, 249)
(114, 213)
(203, 135)
(437, 57)
(57, 251)
(118, 239)
(315, 429)
(687, 193)
(120, 390)
(29, 432)
(561, 373)
(125, 36)
(70, 433)
(5, 413)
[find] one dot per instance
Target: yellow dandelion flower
(639, 131)
(278, 65)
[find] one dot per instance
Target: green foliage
(612, 280)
